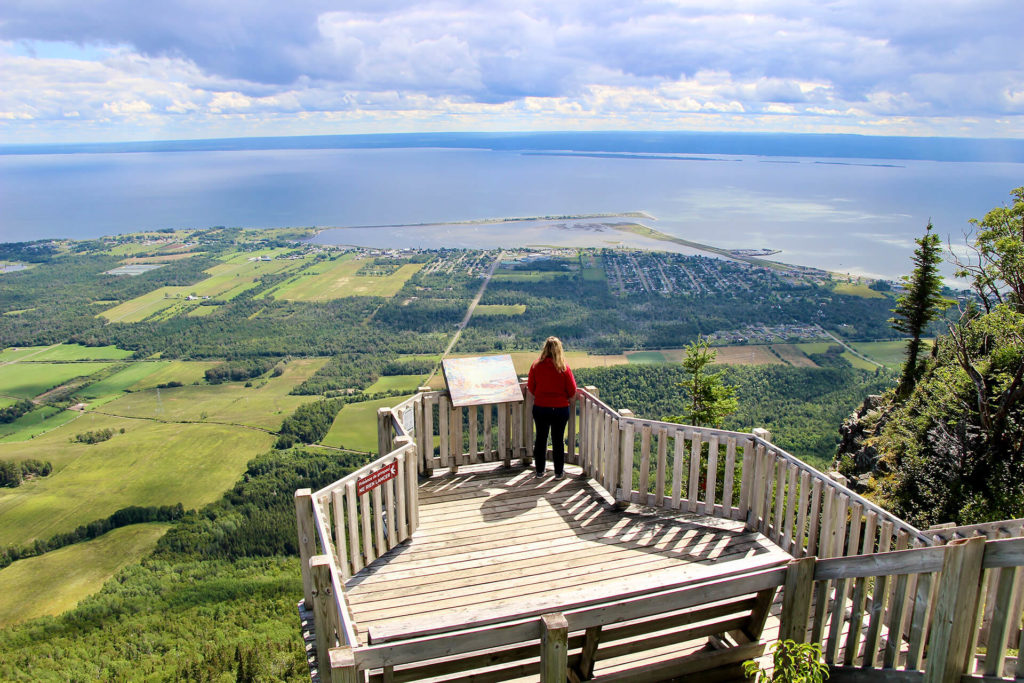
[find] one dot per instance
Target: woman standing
(552, 386)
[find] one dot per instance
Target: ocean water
(856, 215)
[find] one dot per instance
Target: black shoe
(559, 475)
(538, 475)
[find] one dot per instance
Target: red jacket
(550, 388)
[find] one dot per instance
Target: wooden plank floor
(502, 540)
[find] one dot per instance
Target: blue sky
(140, 69)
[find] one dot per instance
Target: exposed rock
(856, 456)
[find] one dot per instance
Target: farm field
(646, 357)
(857, 289)
(226, 281)
(355, 427)
(526, 275)
(34, 423)
(141, 307)
(184, 371)
(751, 354)
(396, 383)
(891, 354)
(263, 405)
(152, 463)
(63, 352)
(500, 309)
(794, 356)
(28, 380)
(822, 347)
(336, 279)
(110, 388)
(55, 582)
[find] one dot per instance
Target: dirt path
(469, 312)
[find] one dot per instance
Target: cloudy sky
(99, 70)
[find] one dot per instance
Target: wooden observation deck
(661, 555)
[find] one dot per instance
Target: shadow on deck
(506, 542)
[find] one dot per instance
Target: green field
(28, 380)
(822, 347)
(184, 371)
(55, 582)
(65, 352)
(646, 357)
(857, 289)
(891, 354)
(226, 281)
(202, 311)
(22, 352)
(355, 427)
(500, 309)
(592, 269)
(152, 463)
(336, 279)
(141, 307)
(408, 383)
(526, 275)
(265, 404)
(34, 423)
(111, 387)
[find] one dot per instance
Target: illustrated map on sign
(480, 380)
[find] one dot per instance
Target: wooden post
(625, 464)
(320, 568)
(796, 599)
(307, 540)
(343, 666)
(554, 648)
(955, 611)
(588, 655)
(762, 433)
(383, 431)
(424, 432)
(570, 434)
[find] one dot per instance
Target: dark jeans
(553, 420)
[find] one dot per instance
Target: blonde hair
(553, 350)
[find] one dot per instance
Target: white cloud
(945, 67)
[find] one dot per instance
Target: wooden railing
(341, 530)
(919, 614)
(874, 579)
(733, 475)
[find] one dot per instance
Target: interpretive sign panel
(482, 379)
(375, 479)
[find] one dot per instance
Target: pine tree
(710, 400)
(919, 305)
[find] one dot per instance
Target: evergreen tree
(711, 401)
(919, 305)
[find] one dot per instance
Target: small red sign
(372, 481)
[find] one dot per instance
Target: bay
(856, 215)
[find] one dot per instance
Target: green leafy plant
(792, 662)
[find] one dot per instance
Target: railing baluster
(694, 480)
(746, 475)
(788, 532)
(728, 481)
(380, 543)
(659, 481)
(877, 603)
(780, 500)
(679, 438)
(340, 540)
(353, 529)
(712, 477)
(645, 463)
